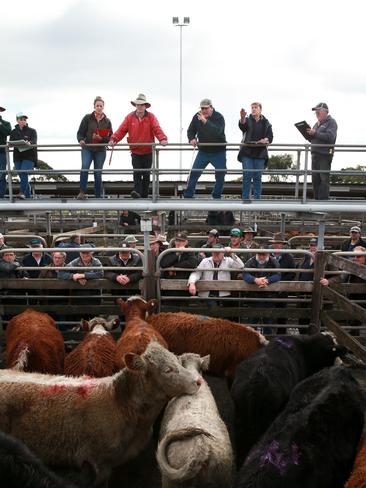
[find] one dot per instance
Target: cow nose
(199, 381)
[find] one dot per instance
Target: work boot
(135, 194)
(82, 195)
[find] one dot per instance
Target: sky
(57, 56)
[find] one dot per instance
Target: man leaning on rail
(5, 130)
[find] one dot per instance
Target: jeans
(218, 161)
(321, 162)
(2, 175)
(87, 157)
(24, 184)
(250, 164)
(141, 179)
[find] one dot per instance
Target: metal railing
(301, 174)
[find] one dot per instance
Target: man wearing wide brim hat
(278, 238)
(248, 242)
(141, 126)
(5, 130)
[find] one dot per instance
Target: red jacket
(144, 130)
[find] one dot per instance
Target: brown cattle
(358, 475)
(227, 343)
(95, 355)
(34, 344)
(138, 333)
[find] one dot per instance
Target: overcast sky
(57, 56)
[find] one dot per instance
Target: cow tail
(21, 362)
(194, 463)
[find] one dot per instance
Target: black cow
(313, 442)
(20, 468)
(264, 381)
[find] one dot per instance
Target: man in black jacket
(354, 240)
(24, 159)
(257, 131)
(179, 259)
(125, 259)
(5, 130)
(207, 126)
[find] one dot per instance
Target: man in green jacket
(5, 129)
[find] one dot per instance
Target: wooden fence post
(317, 293)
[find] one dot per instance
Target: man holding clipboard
(323, 132)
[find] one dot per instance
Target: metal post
(10, 182)
(157, 186)
(180, 101)
(297, 183)
(305, 173)
(153, 175)
(283, 224)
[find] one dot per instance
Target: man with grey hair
(207, 126)
(323, 132)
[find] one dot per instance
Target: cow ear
(151, 305)
(205, 362)
(134, 362)
(84, 325)
(121, 303)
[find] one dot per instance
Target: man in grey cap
(5, 129)
(323, 132)
(207, 126)
(354, 240)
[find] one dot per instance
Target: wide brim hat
(248, 230)
(278, 238)
(159, 238)
(141, 99)
(2, 109)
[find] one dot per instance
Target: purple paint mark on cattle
(288, 343)
(280, 460)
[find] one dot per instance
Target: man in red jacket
(141, 126)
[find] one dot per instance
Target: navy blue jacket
(212, 131)
(252, 132)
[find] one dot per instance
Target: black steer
(313, 442)
(264, 381)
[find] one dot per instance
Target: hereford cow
(95, 355)
(33, 343)
(226, 342)
(194, 448)
(137, 333)
(358, 475)
(263, 382)
(100, 421)
(313, 442)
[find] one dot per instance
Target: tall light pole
(178, 23)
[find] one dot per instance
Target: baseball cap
(124, 245)
(235, 232)
(181, 236)
(218, 246)
(19, 115)
(355, 228)
(320, 105)
(313, 241)
(84, 246)
(35, 243)
(206, 102)
(214, 232)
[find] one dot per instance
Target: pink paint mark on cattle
(84, 389)
(54, 389)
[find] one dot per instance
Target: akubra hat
(141, 100)
(249, 230)
(278, 238)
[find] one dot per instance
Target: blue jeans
(87, 157)
(2, 175)
(24, 184)
(218, 161)
(249, 164)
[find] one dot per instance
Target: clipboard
(21, 145)
(302, 128)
